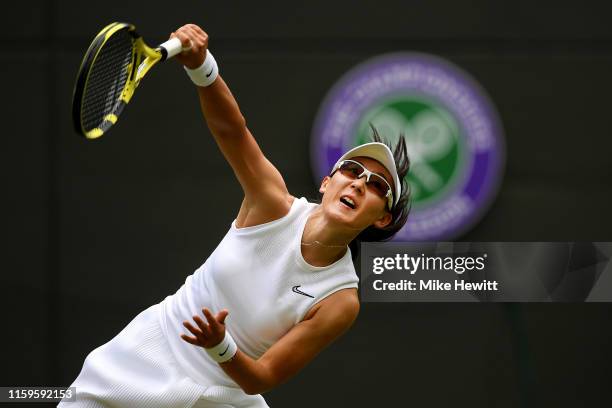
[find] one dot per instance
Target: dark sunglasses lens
(379, 185)
(350, 169)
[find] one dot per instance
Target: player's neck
(322, 243)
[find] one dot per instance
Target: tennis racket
(113, 66)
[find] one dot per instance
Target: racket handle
(170, 48)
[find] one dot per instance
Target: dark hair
(399, 212)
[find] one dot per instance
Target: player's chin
(350, 218)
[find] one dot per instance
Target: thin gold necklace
(322, 244)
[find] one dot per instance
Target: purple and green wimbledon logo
(454, 137)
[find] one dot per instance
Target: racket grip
(170, 48)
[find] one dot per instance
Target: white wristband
(206, 73)
(223, 351)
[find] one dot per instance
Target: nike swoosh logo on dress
(296, 290)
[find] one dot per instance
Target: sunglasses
(374, 181)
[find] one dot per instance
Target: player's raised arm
(263, 185)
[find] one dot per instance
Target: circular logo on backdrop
(452, 131)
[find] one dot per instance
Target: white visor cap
(382, 154)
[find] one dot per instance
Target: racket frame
(142, 60)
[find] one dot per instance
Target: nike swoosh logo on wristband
(225, 350)
(210, 73)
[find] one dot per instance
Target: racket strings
(106, 80)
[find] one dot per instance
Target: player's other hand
(194, 38)
(209, 334)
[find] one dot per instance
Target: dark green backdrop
(96, 232)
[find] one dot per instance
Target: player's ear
(384, 220)
(324, 184)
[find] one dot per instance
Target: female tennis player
(278, 289)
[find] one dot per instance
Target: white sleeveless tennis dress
(259, 275)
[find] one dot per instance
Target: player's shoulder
(340, 308)
(346, 301)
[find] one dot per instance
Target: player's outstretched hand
(209, 334)
(194, 38)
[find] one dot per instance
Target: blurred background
(98, 231)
